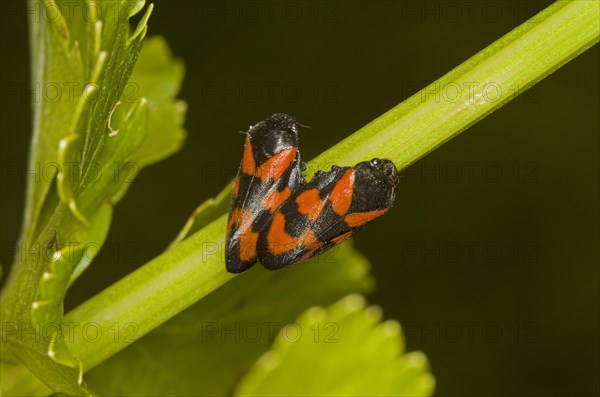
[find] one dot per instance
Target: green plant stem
(154, 293)
(194, 267)
(484, 83)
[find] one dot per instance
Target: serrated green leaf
(113, 13)
(68, 260)
(91, 139)
(56, 66)
(113, 169)
(43, 348)
(155, 61)
(61, 378)
(84, 32)
(344, 350)
(223, 334)
(97, 147)
(158, 76)
(68, 178)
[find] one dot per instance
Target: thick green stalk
(151, 295)
(194, 267)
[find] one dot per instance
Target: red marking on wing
(236, 187)
(248, 165)
(341, 195)
(310, 204)
(241, 218)
(313, 244)
(276, 166)
(247, 237)
(360, 218)
(248, 241)
(279, 241)
(274, 199)
(310, 241)
(234, 219)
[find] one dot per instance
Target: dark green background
(490, 255)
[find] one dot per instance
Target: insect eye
(392, 173)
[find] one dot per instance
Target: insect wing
(326, 211)
(270, 171)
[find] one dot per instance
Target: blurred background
(490, 256)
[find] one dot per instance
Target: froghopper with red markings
(271, 169)
(278, 219)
